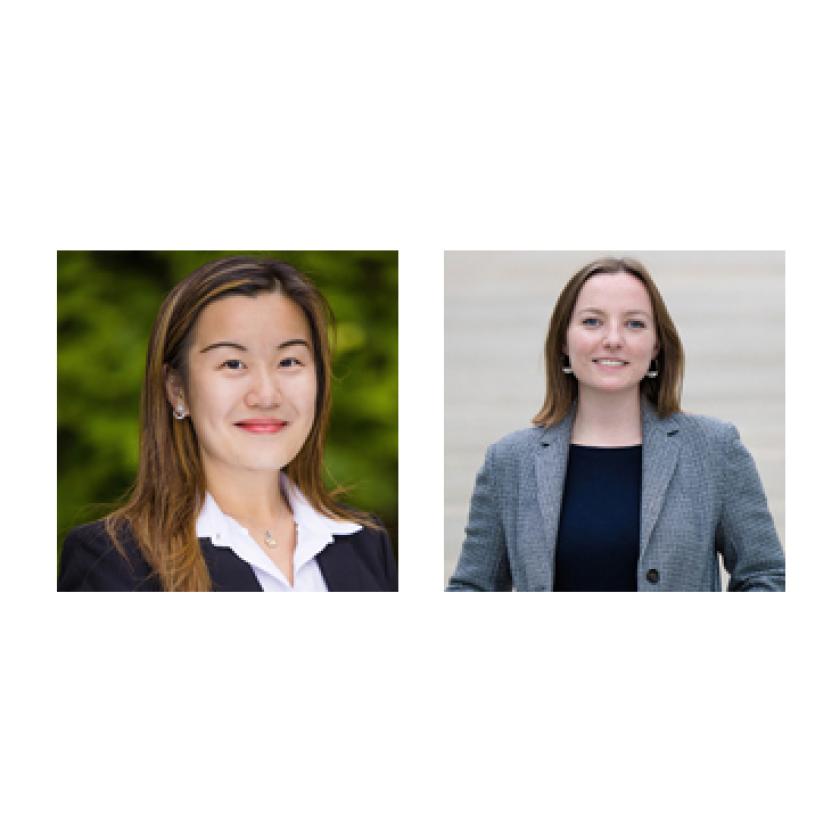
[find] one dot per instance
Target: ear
(175, 391)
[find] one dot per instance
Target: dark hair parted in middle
(562, 390)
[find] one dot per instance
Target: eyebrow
(291, 342)
(628, 312)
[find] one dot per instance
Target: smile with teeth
(610, 362)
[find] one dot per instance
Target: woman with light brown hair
(229, 494)
(614, 488)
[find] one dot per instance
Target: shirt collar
(307, 517)
(315, 531)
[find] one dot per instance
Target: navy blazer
(358, 562)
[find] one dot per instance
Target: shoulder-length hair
(167, 496)
(561, 389)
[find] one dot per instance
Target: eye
(233, 364)
(591, 322)
(636, 325)
(290, 362)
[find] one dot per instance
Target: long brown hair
(168, 494)
(561, 389)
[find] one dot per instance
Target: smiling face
(611, 338)
(252, 383)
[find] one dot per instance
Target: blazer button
(652, 575)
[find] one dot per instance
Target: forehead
(268, 318)
(621, 291)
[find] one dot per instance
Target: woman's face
(611, 338)
(252, 382)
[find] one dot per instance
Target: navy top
(598, 535)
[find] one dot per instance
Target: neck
(608, 419)
(252, 497)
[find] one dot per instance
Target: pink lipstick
(262, 427)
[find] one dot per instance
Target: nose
(612, 336)
(263, 391)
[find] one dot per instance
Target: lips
(608, 362)
(262, 427)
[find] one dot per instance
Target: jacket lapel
(341, 572)
(550, 458)
(349, 564)
(660, 448)
(228, 571)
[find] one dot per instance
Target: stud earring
(179, 413)
(567, 367)
(654, 372)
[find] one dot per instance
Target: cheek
(308, 397)
(301, 392)
(576, 339)
(211, 401)
(647, 344)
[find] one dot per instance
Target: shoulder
(373, 542)
(517, 443)
(366, 537)
(91, 561)
(90, 535)
(705, 430)
(701, 424)
(506, 457)
(711, 441)
(372, 555)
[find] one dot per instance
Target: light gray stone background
(728, 307)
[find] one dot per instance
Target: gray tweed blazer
(701, 494)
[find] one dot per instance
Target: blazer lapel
(344, 565)
(550, 458)
(660, 448)
(228, 571)
(341, 572)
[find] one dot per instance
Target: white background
(474, 126)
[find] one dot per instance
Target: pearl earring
(179, 413)
(654, 372)
(567, 368)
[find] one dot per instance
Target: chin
(263, 462)
(611, 387)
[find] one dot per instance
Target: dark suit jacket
(359, 562)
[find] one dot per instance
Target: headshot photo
(227, 421)
(614, 421)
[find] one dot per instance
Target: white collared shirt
(314, 532)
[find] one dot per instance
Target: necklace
(269, 539)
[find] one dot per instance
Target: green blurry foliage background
(107, 302)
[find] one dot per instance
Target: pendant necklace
(269, 540)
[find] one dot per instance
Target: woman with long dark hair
(229, 493)
(614, 488)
